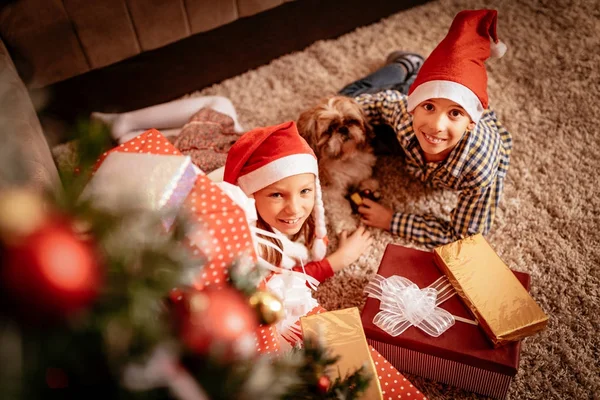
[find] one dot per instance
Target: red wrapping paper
(222, 234)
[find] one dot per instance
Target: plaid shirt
(476, 167)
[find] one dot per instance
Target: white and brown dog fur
(339, 134)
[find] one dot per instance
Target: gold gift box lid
(342, 331)
(503, 307)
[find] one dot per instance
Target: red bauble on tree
(323, 383)
(51, 271)
(216, 320)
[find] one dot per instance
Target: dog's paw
(371, 184)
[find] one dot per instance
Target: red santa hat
(264, 156)
(455, 70)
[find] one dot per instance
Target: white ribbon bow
(404, 304)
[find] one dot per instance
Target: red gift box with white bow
(461, 355)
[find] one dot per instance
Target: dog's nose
(343, 130)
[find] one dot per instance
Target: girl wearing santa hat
(448, 135)
(277, 170)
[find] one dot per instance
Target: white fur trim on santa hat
(277, 170)
(454, 91)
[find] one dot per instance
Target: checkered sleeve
(386, 107)
(476, 209)
(473, 214)
(425, 229)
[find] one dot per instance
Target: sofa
(70, 47)
(51, 41)
(20, 127)
(43, 42)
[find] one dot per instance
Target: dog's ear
(369, 131)
(307, 127)
(368, 128)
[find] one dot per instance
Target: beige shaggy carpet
(545, 90)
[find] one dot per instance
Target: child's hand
(376, 215)
(350, 248)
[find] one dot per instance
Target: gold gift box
(505, 310)
(342, 331)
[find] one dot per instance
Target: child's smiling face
(286, 204)
(439, 124)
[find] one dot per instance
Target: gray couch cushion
(19, 126)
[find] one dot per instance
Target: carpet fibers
(545, 92)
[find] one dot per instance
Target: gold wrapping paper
(342, 331)
(505, 310)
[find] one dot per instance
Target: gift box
(503, 307)
(392, 383)
(153, 182)
(220, 235)
(461, 356)
(342, 332)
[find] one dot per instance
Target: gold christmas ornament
(267, 305)
(22, 211)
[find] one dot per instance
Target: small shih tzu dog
(340, 136)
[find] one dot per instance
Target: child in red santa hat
(277, 169)
(448, 135)
(278, 172)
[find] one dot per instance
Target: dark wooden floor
(207, 58)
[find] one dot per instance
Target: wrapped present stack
(150, 168)
(424, 328)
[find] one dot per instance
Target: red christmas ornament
(323, 383)
(56, 378)
(176, 295)
(50, 272)
(216, 320)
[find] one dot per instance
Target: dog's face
(336, 128)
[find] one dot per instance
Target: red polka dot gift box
(220, 235)
(461, 354)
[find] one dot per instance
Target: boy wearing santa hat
(446, 132)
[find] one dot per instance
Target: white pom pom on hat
(497, 49)
(455, 70)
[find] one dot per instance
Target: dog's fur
(339, 134)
